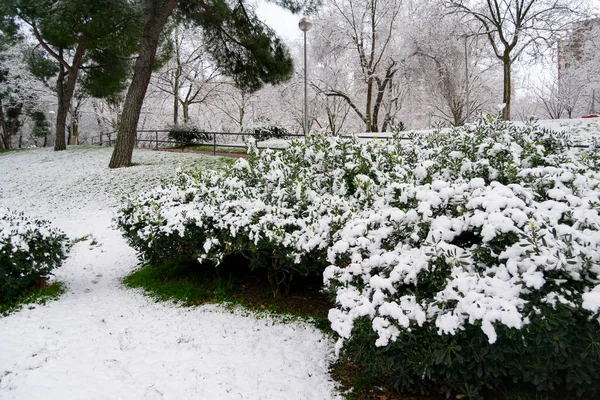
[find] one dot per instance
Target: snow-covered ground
(101, 340)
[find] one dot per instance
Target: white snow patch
(103, 341)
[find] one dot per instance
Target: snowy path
(103, 341)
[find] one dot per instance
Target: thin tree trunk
(5, 132)
(369, 124)
(186, 112)
(176, 99)
(155, 20)
(506, 97)
(62, 110)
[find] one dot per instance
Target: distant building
(579, 63)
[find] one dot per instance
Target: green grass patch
(36, 296)
(3, 151)
(232, 284)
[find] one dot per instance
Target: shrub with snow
(266, 130)
(188, 134)
(455, 260)
(29, 250)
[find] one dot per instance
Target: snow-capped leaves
(29, 250)
(481, 225)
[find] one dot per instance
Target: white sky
(282, 21)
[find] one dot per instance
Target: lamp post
(466, 82)
(305, 24)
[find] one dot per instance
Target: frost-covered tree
(449, 67)
(237, 106)
(578, 77)
(515, 26)
(191, 76)
(359, 43)
(20, 91)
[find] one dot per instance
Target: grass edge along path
(237, 288)
(34, 297)
(234, 287)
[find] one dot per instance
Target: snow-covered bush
(455, 259)
(482, 263)
(29, 250)
(278, 209)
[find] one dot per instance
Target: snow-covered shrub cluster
(454, 259)
(29, 250)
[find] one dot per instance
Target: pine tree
(240, 44)
(96, 36)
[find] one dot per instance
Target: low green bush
(30, 249)
(188, 135)
(266, 131)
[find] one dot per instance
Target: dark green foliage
(558, 352)
(241, 45)
(40, 65)
(29, 250)
(107, 30)
(41, 126)
(106, 74)
(188, 135)
(268, 131)
(34, 296)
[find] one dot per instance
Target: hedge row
(457, 260)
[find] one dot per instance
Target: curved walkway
(103, 341)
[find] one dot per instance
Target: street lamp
(466, 82)
(305, 24)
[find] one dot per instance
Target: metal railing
(158, 138)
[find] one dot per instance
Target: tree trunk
(155, 16)
(186, 112)
(176, 100)
(507, 87)
(75, 134)
(369, 124)
(5, 132)
(64, 92)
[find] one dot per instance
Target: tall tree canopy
(96, 36)
(241, 45)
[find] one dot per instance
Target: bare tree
(454, 76)
(364, 34)
(514, 26)
(549, 96)
(190, 77)
(238, 103)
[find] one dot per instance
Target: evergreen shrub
(266, 131)
(188, 135)
(458, 261)
(30, 250)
